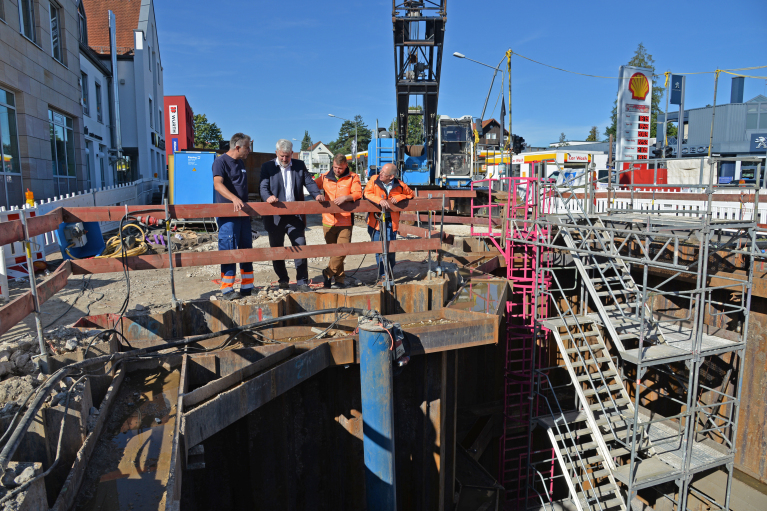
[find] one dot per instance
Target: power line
(728, 71)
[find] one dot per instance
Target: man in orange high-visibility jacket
(339, 185)
(385, 190)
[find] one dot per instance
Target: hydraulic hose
(13, 442)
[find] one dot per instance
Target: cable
(116, 242)
(82, 291)
(656, 75)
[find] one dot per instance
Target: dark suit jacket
(271, 183)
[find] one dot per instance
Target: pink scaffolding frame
(523, 354)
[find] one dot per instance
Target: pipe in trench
(377, 382)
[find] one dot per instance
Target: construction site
(560, 358)
(554, 336)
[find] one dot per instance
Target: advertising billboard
(634, 105)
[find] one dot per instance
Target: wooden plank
(216, 386)
(177, 460)
(13, 231)
(228, 407)
(185, 260)
(19, 308)
(188, 211)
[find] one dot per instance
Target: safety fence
(13, 263)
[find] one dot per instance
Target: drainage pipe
(377, 384)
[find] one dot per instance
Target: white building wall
(96, 128)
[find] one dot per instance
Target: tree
(306, 142)
(593, 135)
(343, 144)
(414, 128)
(562, 140)
(206, 134)
(641, 59)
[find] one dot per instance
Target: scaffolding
(638, 394)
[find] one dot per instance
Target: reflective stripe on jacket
(347, 184)
(376, 192)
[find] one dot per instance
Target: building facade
(140, 84)
(490, 134)
(41, 123)
(317, 158)
(95, 83)
(179, 124)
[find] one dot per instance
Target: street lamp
(462, 56)
(356, 147)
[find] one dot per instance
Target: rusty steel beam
(212, 416)
(450, 194)
(449, 219)
(411, 230)
(185, 260)
(23, 305)
(188, 211)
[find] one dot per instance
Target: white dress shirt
(287, 180)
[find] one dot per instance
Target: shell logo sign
(639, 86)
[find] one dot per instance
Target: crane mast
(419, 34)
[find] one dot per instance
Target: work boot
(338, 285)
(325, 280)
(284, 285)
(231, 295)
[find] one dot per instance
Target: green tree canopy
(414, 128)
(593, 135)
(641, 59)
(206, 134)
(343, 144)
(306, 142)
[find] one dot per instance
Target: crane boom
(419, 33)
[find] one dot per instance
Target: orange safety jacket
(347, 184)
(376, 192)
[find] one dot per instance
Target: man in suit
(283, 180)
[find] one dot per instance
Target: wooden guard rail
(13, 231)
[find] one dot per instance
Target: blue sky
(275, 69)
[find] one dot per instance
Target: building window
(89, 169)
(159, 121)
(62, 153)
(491, 136)
(763, 116)
(27, 19)
(151, 119)
(82, 24)
(102, 152)
(84, 99)
(158, 72)
(55, 33)
(11, 193)
(752, 115)
(2, 11)
(99, 111)
(149, 58)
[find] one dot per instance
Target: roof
(127, 17)
(759, 99)
(314, 146)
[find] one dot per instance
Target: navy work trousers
(234, 233)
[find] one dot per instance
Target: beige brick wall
(40, 82)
